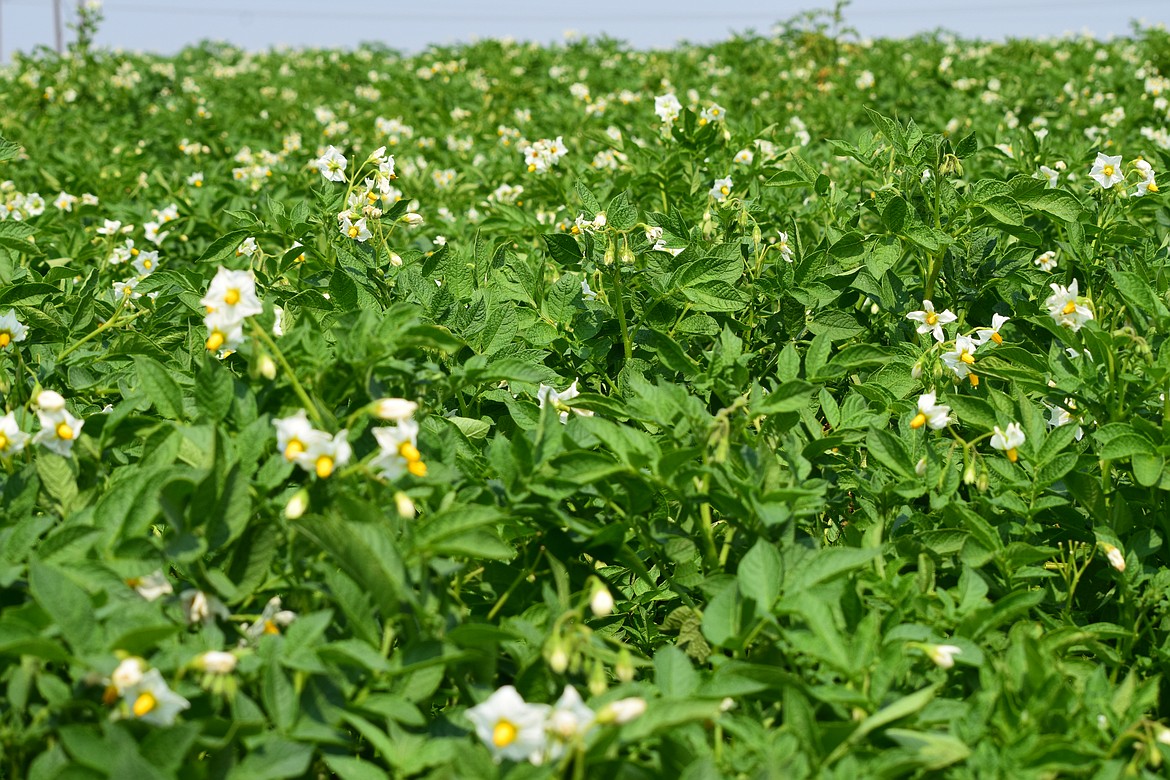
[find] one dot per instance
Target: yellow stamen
(417, 468)
(998, 339)
(294, 448)
(147, 264)
(144, 704)
(4, 442)
(931, 318)
(134, 252)
(1069, 307)
(324, 466)
(725, 190)
(215, 341)
(64, 431)
(198, 184)
(1107, 170)
(974, 380)
(5, 338)
(231, 297)
(504, 734)
(1012, 455)
(353, 231)
(408, 451)
(271, 628)
(1152, 188)
(918, 421)
(110, 694)
(967, 358)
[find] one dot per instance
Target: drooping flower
(1106, 170)
(151, 701)
(12, 439)
(983, 335)
(785, 248)
(201, 607)
(943, 656)
(547, 395)
(962, 358)
(510, 727)
(270, 622)
(622, 710)
(398, 453)
(128, 674)
(1050, 175)
(1066, 306)
(1115, 556)
(936, 416)
(568, 722)
(153, 586)
(931, 321)
(216, 662)
(1008, 440)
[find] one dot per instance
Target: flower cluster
(230, 299)
(542, 155)
(960, 357)
(515, 730)
(314, 451)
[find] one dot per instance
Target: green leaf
(760, 574)
(791, 396)
(162, 390)
(67, 604)
(674, 674)
(621, 215)
(224, 247)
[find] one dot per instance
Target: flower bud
(395, 259)
(609, 253)
(622, 710)
(970, 475)
(983, 482)
(267, 368)
(942, 655)
(297, 505)
(393, 409)
(404, 505)
(558, 659)
(624, 668)
(602, 602)
(627, 255)
(597, 681)
(216, 662)
(411, 218)
(50, 401)
(920, 467)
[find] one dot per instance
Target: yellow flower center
(231, 297)
(974, 380)
(144, 704)
(1153, 187)
(324, 466)
(198, 184)
(1013, 455)
(417, 468)
(148, 264)
(353, 231)
(293, 449)
(215, 341)
(3, 442)
(271, 627)
(725, 190)
(1107, 170)
(918, 421)
(64, 431)
(1069, 307)
(134, 252)
(931, 318)
(408, 451)
(967, 358)
(504, 734)
(998, 339)
(5, 338)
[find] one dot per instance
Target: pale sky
(167, 25)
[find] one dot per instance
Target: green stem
(299, 389)
(111, 322)
(621, 312)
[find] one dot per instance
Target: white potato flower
(331, 165)
(510, 727)
(547, 395)
(931, 321)
(12, 439)
(936, 416)
(11, 329)
(1008, 440)
(1106, 170)
(151, 701)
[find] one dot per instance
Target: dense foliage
(861, 470)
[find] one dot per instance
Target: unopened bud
(970, 474)
(412, 218)
(297, 505)
(394, 409)
(609, 253)
(267, 368)
(395, 259)
(558, 659)
(622, 710)
(916, 370)
(983, 482)
(404, 505)
(597, 681)
(627, 255)
(50, 401)
(624, 668)
(602, 602)
(920, 468)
